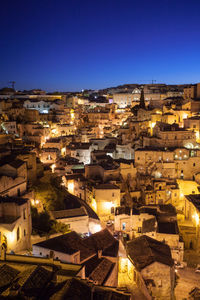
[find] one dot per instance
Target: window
(113, 194)
(18, 234)
(194, 164)
(24, 232)
(139, 229)
(124, 226)
(24, 213)
(51, 254)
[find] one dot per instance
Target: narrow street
(136, 294)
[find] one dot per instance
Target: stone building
(13, 167)
(106, 197)
(15, 223)
(81, 151)
(192, 92)
(98, 253)
(51, 279)
(78, 216)
(166, 135)
(152, 266)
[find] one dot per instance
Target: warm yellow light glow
(72, 114)
(54, 131)
(152, 125)
(94, 205)
(70, 187)
(108, 205)
(37, 201)
(63, 151)
(197, 135)
(53, 168)
(185, 116)
(187, 187)
(96, 228)
(196, 218)
(123, 264)
(11, 237)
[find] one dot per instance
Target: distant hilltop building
(153, 95)
(192, 92)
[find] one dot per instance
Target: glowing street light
(53, 168)
(108, 205)
(196, 218)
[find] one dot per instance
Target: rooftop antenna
(12, 84)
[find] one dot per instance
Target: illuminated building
(15, 223)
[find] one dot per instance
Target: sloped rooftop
(144, 251)
(103, 240)
(68, 243)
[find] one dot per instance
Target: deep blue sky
(78, 44)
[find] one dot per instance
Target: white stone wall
(163, 279)
(64, 257)
(78, 224)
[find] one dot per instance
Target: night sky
(71, 45)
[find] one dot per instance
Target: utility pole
(153, 81)
(12, 84)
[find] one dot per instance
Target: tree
(43, 224)
(50, 192)
(142, 101)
